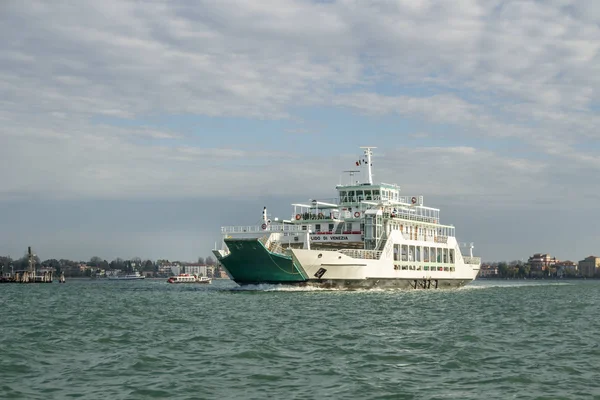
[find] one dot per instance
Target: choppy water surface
(148, 339)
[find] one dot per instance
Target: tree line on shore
(519, 269)
(72, 268)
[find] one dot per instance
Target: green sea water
(147, 339)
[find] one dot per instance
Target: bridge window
(368, 195)
(418, 253)
(359, 195)
(396, 251)
(404, 252)
(376, 195)
(343, 197)
(445, 255)
(439, 255)
(411, 253)
(426, 254)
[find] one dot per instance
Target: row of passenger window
(425, 268)
(352, 196)
(423, 254)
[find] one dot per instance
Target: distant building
(164, 269)
(588, 267)
(541, 261)
(568, 268)
(195, 269)
(488, 271)
(84, 267)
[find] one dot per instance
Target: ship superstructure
(370, 236)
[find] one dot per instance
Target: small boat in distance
(125, 277)
(187, 278)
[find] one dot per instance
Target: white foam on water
(511, 284)
(266, 287)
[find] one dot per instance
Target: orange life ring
(414, 200)
(298, 216)
(356, 214)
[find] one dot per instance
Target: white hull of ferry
(341, 271)
(371, 269)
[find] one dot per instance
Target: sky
(137, 129)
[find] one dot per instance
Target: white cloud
(497, 70)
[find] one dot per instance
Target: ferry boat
(371, 236)
(126, 277)
(187, 278)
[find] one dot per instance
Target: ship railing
(410, 217)
(258, 228)
(362, 254)
(472, 260)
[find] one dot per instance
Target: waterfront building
(588, 267)
(488, 271)
(541, 261)
(195, 269)
(566, 268)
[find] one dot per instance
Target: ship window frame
(451, 256)
(426, 268)
(404, 252)
(359, 195)
(426, 254)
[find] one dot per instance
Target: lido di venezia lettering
(325, 238)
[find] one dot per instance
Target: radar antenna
(352, 172)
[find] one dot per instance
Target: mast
(369, 153)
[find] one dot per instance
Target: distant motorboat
(187, 278)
